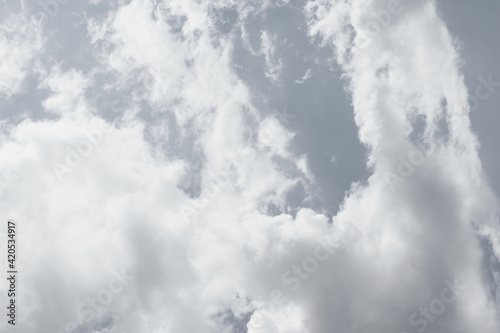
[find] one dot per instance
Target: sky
(276, 166)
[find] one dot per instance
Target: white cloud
(367, 269)
(306, 76)
(20, 41)
(422, 229)
(302, 164)
(66, 88)
(120, 205)
(268, 49)
(274, 136)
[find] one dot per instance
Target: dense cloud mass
(244, 166)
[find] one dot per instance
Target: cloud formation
(155, 194)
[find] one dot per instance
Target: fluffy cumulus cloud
(155, 193)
